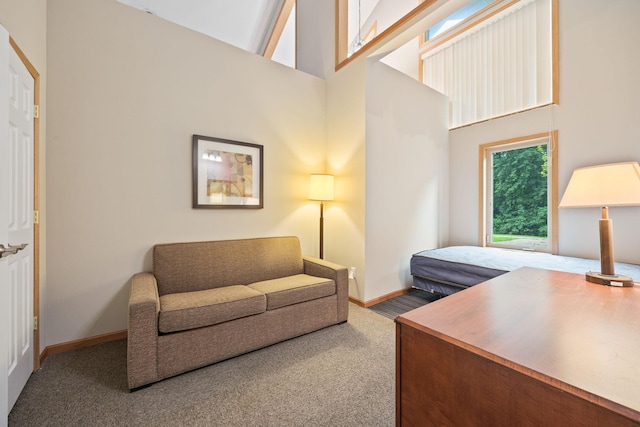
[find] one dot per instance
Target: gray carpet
(343, 375)
(396, 306)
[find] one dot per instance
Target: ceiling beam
(418, 20)
(278, 28)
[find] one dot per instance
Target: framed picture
(226, 174)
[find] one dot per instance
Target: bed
(445, 271)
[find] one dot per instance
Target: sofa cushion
(294, 289)
(196, 266)
(189, 310)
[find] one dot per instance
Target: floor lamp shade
(603, 186)
(321, 188)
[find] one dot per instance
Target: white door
(4, 219)
(17, 227)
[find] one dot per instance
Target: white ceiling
(242, 23)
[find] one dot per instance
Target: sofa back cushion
(196, 266)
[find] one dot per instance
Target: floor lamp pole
(321, 230)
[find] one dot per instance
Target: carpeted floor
(343, 375)
(394, 307)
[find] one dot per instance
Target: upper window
(519, 201)
(457, 17)
(359, 22)
(497, 61)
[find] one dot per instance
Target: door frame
(36, 200)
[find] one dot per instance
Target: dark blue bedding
(452, 269)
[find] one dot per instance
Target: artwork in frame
(227, 174)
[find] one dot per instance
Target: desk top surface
(578, 336)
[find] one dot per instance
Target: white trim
(5, 49)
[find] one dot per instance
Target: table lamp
(603, 186)
(321, 188)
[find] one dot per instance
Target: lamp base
(609, 279)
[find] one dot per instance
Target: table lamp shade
(615, 184)
(603, 186)
(321, 187)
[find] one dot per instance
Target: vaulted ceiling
(246, 24)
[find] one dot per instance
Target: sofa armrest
(321, 268)
(142, 337)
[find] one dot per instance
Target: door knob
(11, 250)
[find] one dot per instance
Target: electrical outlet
(352, 272)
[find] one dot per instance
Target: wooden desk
(531, 347)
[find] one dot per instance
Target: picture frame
(227, 174)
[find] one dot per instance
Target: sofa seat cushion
(294, 289)
(189, 310)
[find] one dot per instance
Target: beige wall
(124, 100)
(387, 206)
(407, 206)
(315, 37)
(597, 121)
(345, 222)
(127, 91)
(387, 144)
(26, 22)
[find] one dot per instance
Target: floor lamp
(321, 188)
(603, 186)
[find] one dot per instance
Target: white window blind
(498, 67)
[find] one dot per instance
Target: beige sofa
(208, 301)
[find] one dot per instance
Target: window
(518, 206)
(456, 18)
(498, 61)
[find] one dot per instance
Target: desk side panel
(441, 384)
